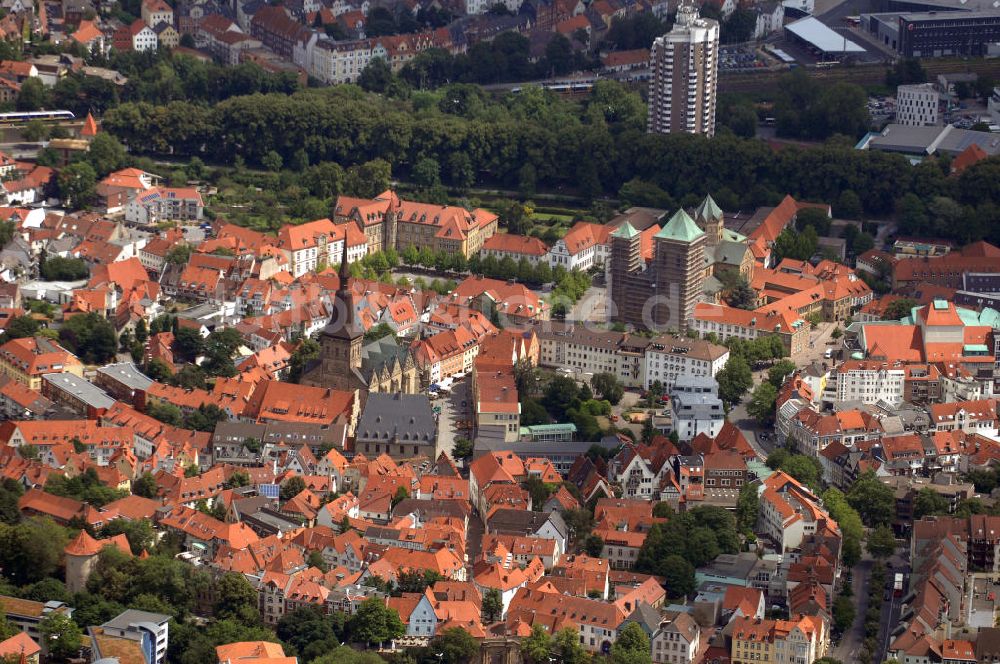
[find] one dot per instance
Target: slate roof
(405, 417)
(523, 522)
(382, 354)
(730, 253)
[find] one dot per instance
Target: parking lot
(967, 120)
(881, 109)
(737, 58)
(592, 307)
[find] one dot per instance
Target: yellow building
(27, 360)
(497, 406)
(167, 35)
(389, 221)
(444, 228)
(801, 640)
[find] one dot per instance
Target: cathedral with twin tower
(660, 291)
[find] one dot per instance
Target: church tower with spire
(709, 218)
(340, 341)
(346, 362)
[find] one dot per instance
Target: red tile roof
(287, 402)
(18, 645)
(584, 235)
(967, 157)
(85, 545)
(782, 321)
(203, 527)
(37, 355)
(626, 58)
(59, 508)
(523, 245)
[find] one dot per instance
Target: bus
(897, 585)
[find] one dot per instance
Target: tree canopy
(57, 268)
(850, 524)
(632, 646)
(688, 540)
(565, 145)
(806, 469)
(872, 499)
(91, 337)
(374, 623)
(31, 550)
(735, 379)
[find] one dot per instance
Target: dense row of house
(366, 530)
(328, 40)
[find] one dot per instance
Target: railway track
(868, 74)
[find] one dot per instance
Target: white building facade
(695, 407)
(670, 358)
(870, 382)
(917, 105)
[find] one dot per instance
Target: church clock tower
(341, 339)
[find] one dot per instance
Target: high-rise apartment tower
(685, 67)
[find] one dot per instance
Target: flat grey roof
(133, 616)
(732, 565)
(946, 5)
(541, 448)
(85, 391)
(928, 140)
(952, 16)
(268, 518)
(958, 140)
(815, 32)
(688, 381)
(127, 374)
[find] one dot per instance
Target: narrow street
(850, 642)
(818, 339)
(750, 429)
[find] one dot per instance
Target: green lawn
(549, 217)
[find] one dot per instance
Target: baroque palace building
(389, 221)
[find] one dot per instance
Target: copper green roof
(626, 231)
(681, 227)
(733, 236)
(708, 209)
